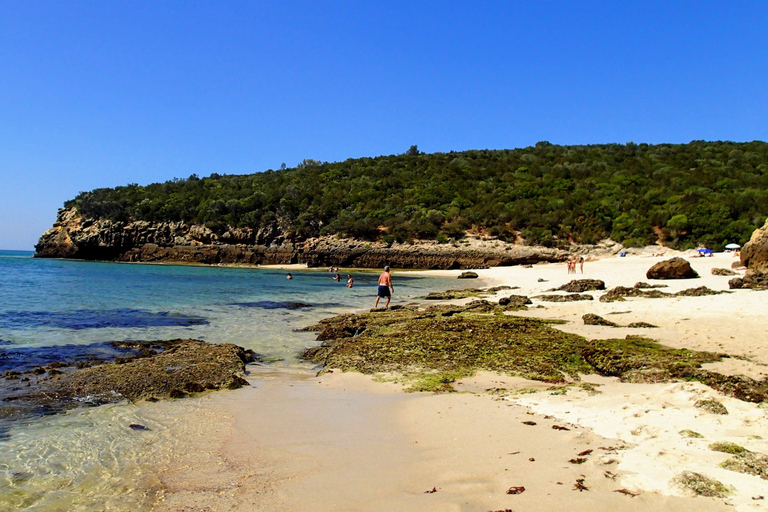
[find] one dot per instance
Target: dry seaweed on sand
(437, 345)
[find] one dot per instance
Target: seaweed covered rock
(448, 341)
(466, 292)
(618, 293)
(642, 325)
(675, 268)
(515, 301)
(749, 463)
(182, 366)
(581, 285)
(593, 319)
(571, 297)
(697, 484)
(723, 272)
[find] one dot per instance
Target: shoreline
(345, 441)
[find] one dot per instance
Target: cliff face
(73, 236)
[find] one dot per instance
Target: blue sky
(105, 93)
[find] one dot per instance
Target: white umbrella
(733, 246)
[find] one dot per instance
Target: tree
(413, 151)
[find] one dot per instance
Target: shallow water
(89, 458)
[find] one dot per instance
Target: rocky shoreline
(145, 371)
(75, 237)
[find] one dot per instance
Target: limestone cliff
(73, 236)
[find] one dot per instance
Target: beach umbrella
(733, 246)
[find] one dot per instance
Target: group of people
(572, 262)
(385, 284)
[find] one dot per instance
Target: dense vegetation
(707, 193)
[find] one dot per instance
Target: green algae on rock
(465, 293)
(182, 367)
(749, 463)
(696, 484)
(727, 447)
(448, 339)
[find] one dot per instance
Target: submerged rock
(675, 268)
(182, 367)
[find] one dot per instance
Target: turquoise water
(87, 458)
(47, 302)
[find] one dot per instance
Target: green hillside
(708, 193)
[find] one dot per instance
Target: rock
(581, 285)
(754, 256)
(618, 293)
(564, 298)
(697, 484)
(736, 282)
(593, 319)
(514, 301)
(723, 272)
(641, 284)
(711, 405)
(183, 367)
(697, 292)
(675, 268)
(748, 463)
(468, 275)
(642, 325)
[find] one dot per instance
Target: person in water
(337, 277)
(350, 281)
(289, 276)
(385, 285)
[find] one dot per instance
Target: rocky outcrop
(675, 268)
(754, 256)
(73, 236)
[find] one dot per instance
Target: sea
(89, 458)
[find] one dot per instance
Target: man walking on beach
(385, 285)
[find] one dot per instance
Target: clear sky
(105, 93)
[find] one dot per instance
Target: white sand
(345, 442)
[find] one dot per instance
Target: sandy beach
(345, 441)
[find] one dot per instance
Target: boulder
(754, 256)
(723, 272)
(675, 268)
(468, 275)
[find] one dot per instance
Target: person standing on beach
(385, 285)
(581, 264)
